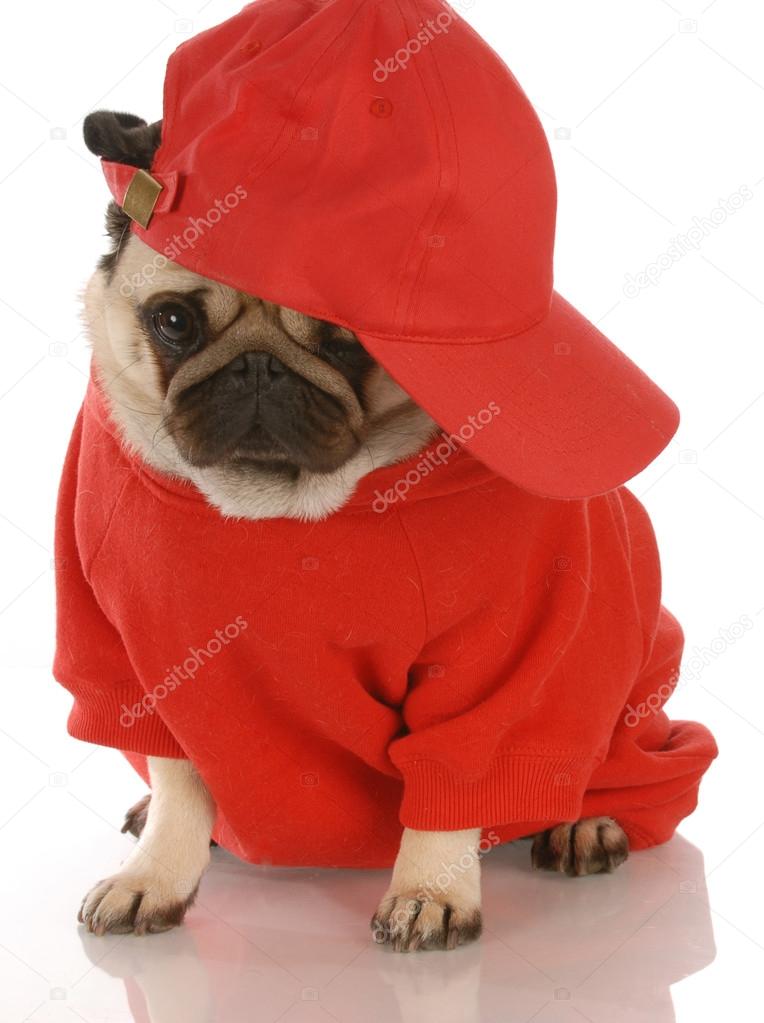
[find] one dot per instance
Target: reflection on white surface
(294, 946)
(554, 947)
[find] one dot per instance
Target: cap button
(252, 48)
(381, 107)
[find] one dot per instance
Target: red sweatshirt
(465, 655)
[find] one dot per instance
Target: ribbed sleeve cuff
(117, 718)
(516, 788)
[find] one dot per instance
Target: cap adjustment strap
(139, 193)
(141, 197)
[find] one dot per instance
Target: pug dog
(288, 414)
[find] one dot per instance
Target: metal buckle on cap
(141, 197)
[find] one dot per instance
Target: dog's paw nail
(131, 904)
(409, 924)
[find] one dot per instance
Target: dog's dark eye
(174, 325)
(339, 348)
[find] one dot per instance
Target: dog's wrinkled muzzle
(255, 333)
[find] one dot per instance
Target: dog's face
(260, 406)
(238, 382)
(223, 387)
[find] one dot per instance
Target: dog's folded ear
(122, 138)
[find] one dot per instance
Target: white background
(655, 110)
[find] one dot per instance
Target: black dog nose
(257, 366)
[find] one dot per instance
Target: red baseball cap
(375, 164)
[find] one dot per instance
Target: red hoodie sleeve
(512, 704)
(90, 659)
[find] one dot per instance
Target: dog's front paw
(409, 922)
(135, 903)
(595, 845)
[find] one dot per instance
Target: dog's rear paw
(409, 923)
(134, 903)
(594, 845)
(135, 818)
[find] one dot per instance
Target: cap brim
(558, 410)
